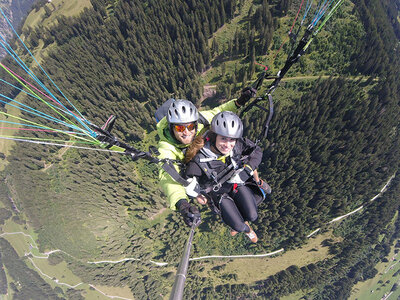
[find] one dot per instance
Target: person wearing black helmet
(181, 124)
(220, 167)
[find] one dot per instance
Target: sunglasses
(182, 127)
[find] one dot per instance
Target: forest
(333, 143)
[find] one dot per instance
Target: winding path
(161, 264)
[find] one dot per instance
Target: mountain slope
(333, 143)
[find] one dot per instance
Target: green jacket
(169, 148)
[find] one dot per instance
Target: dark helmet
(182, 111)
(227, 124)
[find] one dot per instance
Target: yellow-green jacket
(169, 148)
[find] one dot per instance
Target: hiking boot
(233, 232)
(264, 186)
(251, 235)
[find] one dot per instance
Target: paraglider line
(39, 114)
(21, 139)
(19, 38)
(265, 67)
(46, 127)
(297, 15)
(35, 96)
(69, 121)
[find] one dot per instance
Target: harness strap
(217, 179)
(170, 169)
(218, 183)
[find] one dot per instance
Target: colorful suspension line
(34, 96)
(48, 128)
(81, 120)
(16, 77)
(74, 132)
(294, 56)
(25, 84)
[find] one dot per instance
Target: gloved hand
(241, 175)
(189, 212)
(247, 93)
(193, 189)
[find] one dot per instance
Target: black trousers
(237, 207)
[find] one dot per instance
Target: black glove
(247, 93)
(189, 212)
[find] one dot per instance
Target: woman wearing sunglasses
(176, 131)
(221, 165)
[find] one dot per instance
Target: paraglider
(67, 127)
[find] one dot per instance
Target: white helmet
(227, 124)
(182, 111)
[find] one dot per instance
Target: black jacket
(206, 165)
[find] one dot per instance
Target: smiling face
(224, 144)
(184, 133)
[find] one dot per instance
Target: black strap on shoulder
(104, 135)
(170, 169)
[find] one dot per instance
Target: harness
(215, 179)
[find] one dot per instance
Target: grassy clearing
(64, 276)
(59, 271)
(21, 243)
(57, 8)
(9, 290)
(56, 274)
(124, 292)
(224, 34)
(382, 283)
(249, 270)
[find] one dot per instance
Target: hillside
(333, 144)
(15, 11)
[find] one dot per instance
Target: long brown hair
(194, 148)
(197, 144)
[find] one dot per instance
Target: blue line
(19, 61)
(320, 5)
(27, 70)
(30, 73)
(9, 23)
(41, 127)
(308, 7)
(14, 55)
(34, 96)
(39, 114)
(22, 65)
(322, 11)
(44, 114)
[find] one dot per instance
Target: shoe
(251, 235)
(233, 232)
(264, 186)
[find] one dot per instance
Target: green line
(68, 120)
(323, 23)
(47, 127)
(41, 139)
(329, 15)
